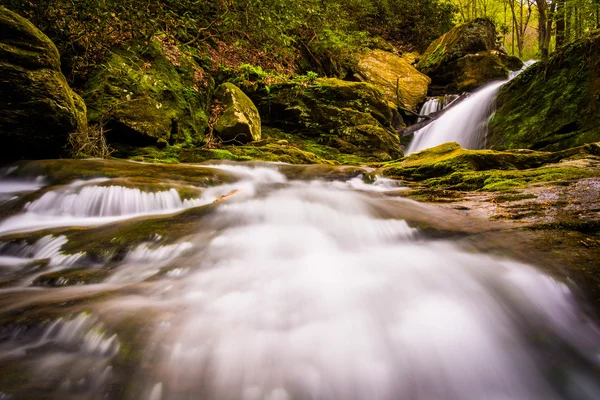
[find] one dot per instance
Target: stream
(266, 281)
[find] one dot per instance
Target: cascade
(465, 123)
(292, 289)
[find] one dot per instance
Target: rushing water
(466, 123)
(284, 289)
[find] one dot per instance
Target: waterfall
(83, 203)
(434, 104)
(465, 123)
(431, 105)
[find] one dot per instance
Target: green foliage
(302, 35)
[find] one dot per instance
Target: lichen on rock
(400, 82)
(240, 121)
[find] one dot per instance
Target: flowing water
(270, 287)
(465, 123)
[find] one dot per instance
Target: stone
(554, 104)
(38, 109)
(147, 93)
(240, 121)
(466, 58)
(400, 82)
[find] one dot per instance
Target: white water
(434, 104)
(305, 294)
(312, 290)
(49, 247)
(466, 123)
(87, 204)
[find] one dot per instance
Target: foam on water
(305, 294)
(75, 352)
(306, 290)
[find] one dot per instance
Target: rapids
(281, 288)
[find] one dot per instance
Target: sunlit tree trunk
(560, 23)
(546, 13)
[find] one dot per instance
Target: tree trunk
(560, 23)
(545, 26)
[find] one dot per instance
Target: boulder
(240, 121)
(466, 58)
(554, 104)
(353, 117)
(148, 93)
(400, 82)
(38, 109)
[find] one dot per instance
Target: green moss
(448, 166)
(65, 171)
(466, 57)
(149, 91)
(39, 109)
(240, 121)
(498, 180)
(562, 94)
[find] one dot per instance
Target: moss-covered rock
(39, 109)
(466, 58)
(148, 93)
(352, 117)
(240, 121)
(554, 104)
(451, 167)
(401, 83)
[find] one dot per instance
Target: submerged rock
(400, 82)
(352, 117)
(466, 58)
(39, 109)
(240, 122)
(554, 104)
(149, 93)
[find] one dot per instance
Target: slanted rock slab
(400, 82)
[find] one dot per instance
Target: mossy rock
(65, 171)
(240, 121)
(466, 58)
(150, 93)
(449, 166)
(400, 82)
(39, 109)
(328, 112)
(554, 104)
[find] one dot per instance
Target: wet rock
(39, 109)
(466, 58)
(554, 104)
(240, 121)
(401, 83)
(149, 94)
